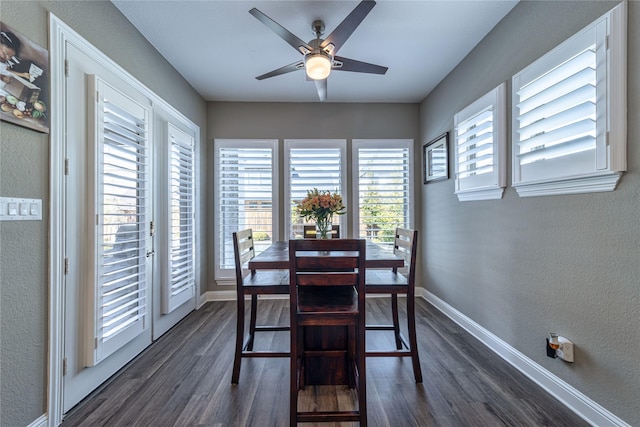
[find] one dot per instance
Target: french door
(109, 246)
(128, 224)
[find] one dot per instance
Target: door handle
(149, 253)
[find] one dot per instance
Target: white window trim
(315, 143)
(380, 143)
(611, 159)
(227, 276)
(496, 99)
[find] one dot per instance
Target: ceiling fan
(320, 54)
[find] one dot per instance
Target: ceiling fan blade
(299, 65)
(321, 87)
(348, 26)
(346, 64)
(297, 43)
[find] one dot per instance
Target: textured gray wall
(24, 172)
(522, 267)
(305, 120)
(563, 263)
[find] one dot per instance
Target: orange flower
(320, 205)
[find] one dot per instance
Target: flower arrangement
(320, 206)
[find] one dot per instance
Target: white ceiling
(220, 48)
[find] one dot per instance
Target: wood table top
(276, 257)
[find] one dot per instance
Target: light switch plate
(19, 209)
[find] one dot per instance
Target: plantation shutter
(556, 126)
(480, 147)
(569, 119)
(181, 263)
(383, 188)
(474, 148)
(121, 195)
(314, 164)
(246, 177)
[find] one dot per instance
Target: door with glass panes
(128, 250)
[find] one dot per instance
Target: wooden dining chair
(399, 282)
(253, 283)
(327, 290)
(310, 231)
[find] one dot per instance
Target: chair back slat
(246, 253)
(345, 261)
(243, 252)
(338, 262)
(404, 246)
(327, 279)
(344, 245)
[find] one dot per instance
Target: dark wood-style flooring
(184, 379)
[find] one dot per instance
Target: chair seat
(377, 279)
(267, 281)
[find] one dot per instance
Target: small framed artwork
(24, 81)
(435, 159)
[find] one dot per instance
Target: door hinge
(95, 343)
(66, 67)
(64, 366)
(66, 166)
(152, 229)
(66, 266)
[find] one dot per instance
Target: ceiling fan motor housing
(318, 27)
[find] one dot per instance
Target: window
(480, 148)
(247, 176)
(569, 113)
(246, 187)
(179, 285)
(383, 187)
(314, 164)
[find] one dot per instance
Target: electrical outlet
(565, 352)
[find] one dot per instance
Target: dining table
(326, 370)
(276, 257)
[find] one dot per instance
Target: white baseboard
(573, 399)
(208, 296)
(42, 421)
(230, 295)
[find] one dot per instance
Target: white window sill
(571, 185)
(492, 193)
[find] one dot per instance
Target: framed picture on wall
(24, 81)
(435, 159)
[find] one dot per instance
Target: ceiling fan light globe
(317, 66)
